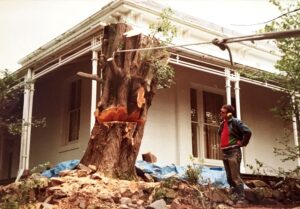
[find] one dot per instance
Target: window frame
(201, 145)
(68, 145)
(74, 110)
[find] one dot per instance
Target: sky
(25, 25)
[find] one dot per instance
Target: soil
(85, 188)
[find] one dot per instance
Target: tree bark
(128, 89)
(113, 148)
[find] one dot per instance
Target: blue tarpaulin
(71, 164)
(214, 175)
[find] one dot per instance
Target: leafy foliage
(289, 79)
(24, 193)
(11, 105)
(164, 31)
(163, 27)
(286, 151)
(10, 102)
(164, 74)
(289, 64)
(40, 168)
(289, 67)
(192, 174)
(259, 168)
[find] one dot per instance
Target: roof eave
(67, 37)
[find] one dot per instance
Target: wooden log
(149, 157)
(90, 76)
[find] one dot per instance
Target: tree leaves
(288, 106)
(165, 31)
(10, 102)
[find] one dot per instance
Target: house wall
(168, 128)
(50, 101)
(170, 140)
(160, 135)
(256, 103)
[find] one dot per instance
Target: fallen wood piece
(149, 157)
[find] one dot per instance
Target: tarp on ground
(213, 175)
(70, 164)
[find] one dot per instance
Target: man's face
(223, 113)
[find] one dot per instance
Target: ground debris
(84, 188)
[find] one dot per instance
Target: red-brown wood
(128, 89)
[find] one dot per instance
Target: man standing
(234, 135)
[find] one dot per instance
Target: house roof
(194, 29)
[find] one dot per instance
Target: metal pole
(263, 36)
(94, 86)
(237, 95)
(24, 134)
(238, 113)
(295, 131)
(228, 86)
(29, 120)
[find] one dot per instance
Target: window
(205, 120)
(211, 106)
(74, 110)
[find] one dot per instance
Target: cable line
(295, 10)
(164, 47)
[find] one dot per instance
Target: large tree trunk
(128, 89)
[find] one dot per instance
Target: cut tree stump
(128, 86)
(113, 147)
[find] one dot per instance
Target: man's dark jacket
(237, 130)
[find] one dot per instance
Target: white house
(182, 121)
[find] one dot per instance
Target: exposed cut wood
(128, 88)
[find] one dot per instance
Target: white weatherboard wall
(168, 128)
(159, 135)
(256, 103)
(50, 96)
(171, 142)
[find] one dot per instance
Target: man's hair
(229, 108)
